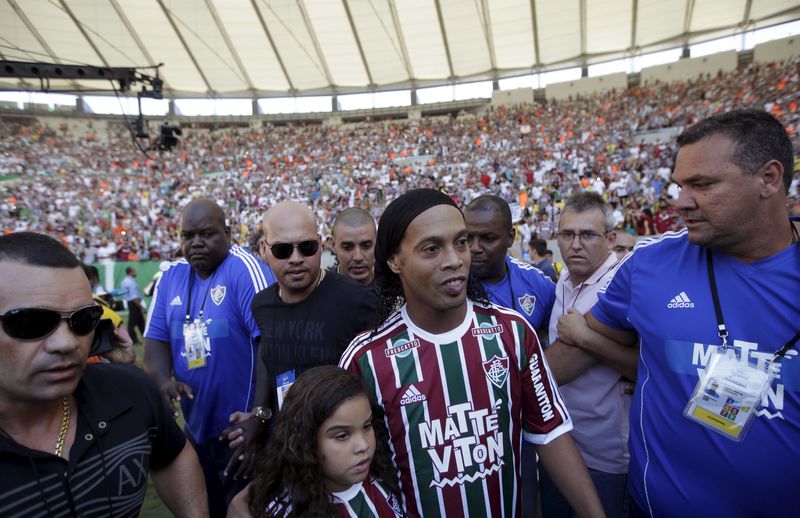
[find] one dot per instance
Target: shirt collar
(599, 273)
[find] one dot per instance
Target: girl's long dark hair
(289, 468)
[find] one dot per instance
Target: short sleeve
(548, 299)
(544, 414)
(156, 327)
(253, 277)
(613, 302)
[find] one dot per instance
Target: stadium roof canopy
(236, 48)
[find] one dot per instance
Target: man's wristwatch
(262, 413)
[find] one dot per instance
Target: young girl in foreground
(322, 459)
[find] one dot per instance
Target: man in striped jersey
(460, 382)
(201, 329)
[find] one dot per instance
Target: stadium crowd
(104, 199)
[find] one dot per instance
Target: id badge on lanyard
(196, 344)
(731, 389)
(729, 392)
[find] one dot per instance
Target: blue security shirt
(524, 289)
(132, 290)
(678, 467)
(227, 382)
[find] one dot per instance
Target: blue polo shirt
(227, 381)
(524, 289)
(678, 467)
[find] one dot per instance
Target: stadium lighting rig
(121, 79)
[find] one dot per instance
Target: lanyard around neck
(192, 273)
(722, 330)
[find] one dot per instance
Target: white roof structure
(262, 48)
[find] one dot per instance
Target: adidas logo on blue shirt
(681, 300)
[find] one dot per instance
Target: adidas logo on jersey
(681, 300)
(412, 395)
(176, 301)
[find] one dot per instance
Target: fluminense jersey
(368, 499)
(457, 406)
(678, 467)
(524, 289)
(227, 381)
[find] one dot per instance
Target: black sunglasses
(30, 324)
(284, 250)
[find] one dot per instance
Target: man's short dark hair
(129, 270)
(589, 200)
(255, 242)
(36, 250)
(91, 272)
(758, 137)
(490, 202)
(540, 245)
(353, 217)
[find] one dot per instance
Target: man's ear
(512, 235)
(771, 175)
(394, 264)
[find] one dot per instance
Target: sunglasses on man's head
(284, 250)
(30, 324)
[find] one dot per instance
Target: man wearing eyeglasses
(76, 439)
(306, 319)
(592, 371)
(201, 339)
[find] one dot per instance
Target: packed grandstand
(103, 198)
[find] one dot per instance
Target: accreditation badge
(283, 382)
(196, 344)
(728, 393)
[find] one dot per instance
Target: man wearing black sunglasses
(306, 319)
(76, 439)
(201, 339)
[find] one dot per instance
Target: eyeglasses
(586, 236)
(30, 324)
(284, 250)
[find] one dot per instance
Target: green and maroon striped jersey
(368, 499)
(457, 406)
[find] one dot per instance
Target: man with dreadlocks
(460, 382)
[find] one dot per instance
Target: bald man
(354, 244)
(201, 339)
(306, 319)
